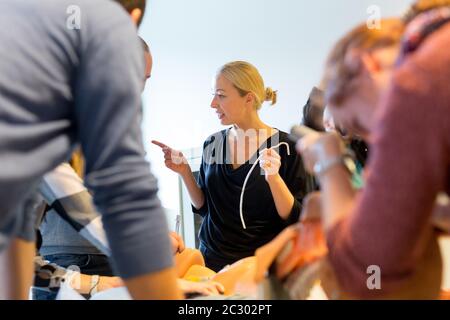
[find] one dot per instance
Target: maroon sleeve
(408, 167)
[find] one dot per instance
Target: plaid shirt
(65, 193)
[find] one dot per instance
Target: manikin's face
(230, 107)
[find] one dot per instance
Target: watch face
(350, 164)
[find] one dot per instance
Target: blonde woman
(249, 152)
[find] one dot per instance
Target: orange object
(240, 274)
(267, 254)
(296, 246)
(199, 273)
(186, 259)
(309, 246)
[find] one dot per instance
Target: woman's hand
(319, 147)
(270, 162)
(176, 162)
(173, 159)
(204, 288)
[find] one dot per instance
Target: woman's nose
(213, 103)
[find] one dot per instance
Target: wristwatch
(321, 167)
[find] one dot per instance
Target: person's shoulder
(103, 18)
(215, 137)
(102, 8)
(285, 137)
(437, 40)
(112, 7)
(427, 62)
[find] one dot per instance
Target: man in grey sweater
(71, 72)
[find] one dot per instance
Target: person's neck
(252, 123)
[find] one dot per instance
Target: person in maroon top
(408, 125)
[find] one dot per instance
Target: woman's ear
(358, 60)
(370, 63)
(136, 15)
(250, 99)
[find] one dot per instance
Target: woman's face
(356, 114)
(230, 107)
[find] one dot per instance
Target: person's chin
(224, 122)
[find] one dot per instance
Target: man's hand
(204, 288)
(319, 147)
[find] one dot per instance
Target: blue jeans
(89, 264)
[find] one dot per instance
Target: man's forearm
(338, 195)
(16, 270)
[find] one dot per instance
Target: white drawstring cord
(248, 176)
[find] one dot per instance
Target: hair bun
(271, 96)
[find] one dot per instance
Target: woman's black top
(223, 240)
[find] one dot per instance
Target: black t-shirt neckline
(229, 166)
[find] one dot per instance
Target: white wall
(287, 40)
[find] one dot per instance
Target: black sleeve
(209, 153)
(201, 183)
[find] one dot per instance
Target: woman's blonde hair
(341, 68)
(77, 162)
(247, 79)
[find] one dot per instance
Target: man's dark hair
(130, 5)
(313, 110)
